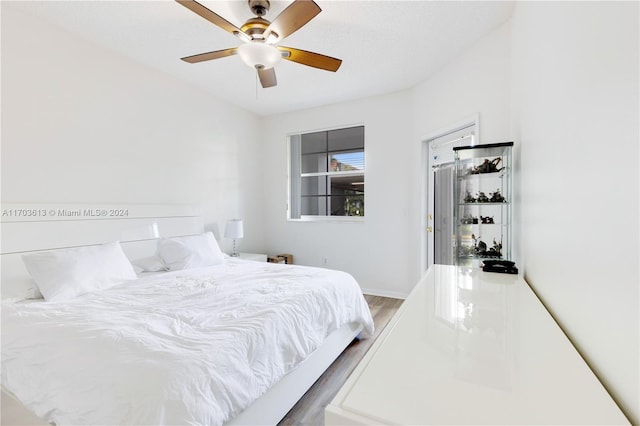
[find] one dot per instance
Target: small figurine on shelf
(496, 197)
(481, 247)
(469, 198)
(482, 198)
(468, 220)
(487, 220)
(487, 167)
(495, 251)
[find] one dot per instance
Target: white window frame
(321, 218)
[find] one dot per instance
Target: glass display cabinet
(482, 203)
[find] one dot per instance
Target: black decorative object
(487, 167)
(469, 220)
(469, 198)
(487, 220)
(496, 197)
(501, 266)
(481, 249)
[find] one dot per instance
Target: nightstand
(257, 257)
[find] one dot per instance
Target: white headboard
(37, 227)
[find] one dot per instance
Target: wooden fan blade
(311, 59)
(210, 55)
(267, 77)
(210, 16)
(294, 17)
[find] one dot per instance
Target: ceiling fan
(260, 50)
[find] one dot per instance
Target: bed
(236, 342)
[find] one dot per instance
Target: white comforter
(188, 347)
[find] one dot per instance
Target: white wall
(476, 83)
(375, 251)
(575, 91)
(81, 124)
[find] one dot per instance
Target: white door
(439, 175)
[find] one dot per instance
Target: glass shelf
(493, 175)
(484, 204)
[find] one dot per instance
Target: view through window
(327, 173)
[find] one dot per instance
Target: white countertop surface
(472, 347)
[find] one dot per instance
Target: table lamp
(234, 231)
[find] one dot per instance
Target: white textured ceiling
(386, 46)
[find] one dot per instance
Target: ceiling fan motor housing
(255, 28)
(259, 7)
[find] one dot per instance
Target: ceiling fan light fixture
(259, 55)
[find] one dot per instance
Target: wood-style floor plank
(309, 411)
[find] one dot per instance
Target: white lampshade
(234, 229)
(259, 55)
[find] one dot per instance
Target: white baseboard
(385, 293)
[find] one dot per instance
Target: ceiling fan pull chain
(256, 84)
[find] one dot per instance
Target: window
(327, 173)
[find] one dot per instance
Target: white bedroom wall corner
(516, 136)
(576, 86)
(254, 195)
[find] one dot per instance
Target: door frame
(426, 187)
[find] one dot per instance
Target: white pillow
(150, 264)
(64, 274)
(190, 252)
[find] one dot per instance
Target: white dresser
(472, 347)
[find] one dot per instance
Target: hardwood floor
(309, 411)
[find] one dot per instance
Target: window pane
(347, 195)
(347, 184)
(346, 139)
(347, 205)
(314, 142)
(314, 163)
(315, 185)
(316, 206)
(347, 161)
